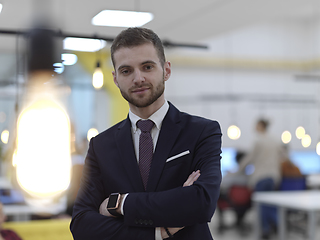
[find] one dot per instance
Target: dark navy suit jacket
(111, 166)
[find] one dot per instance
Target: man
(176, 196)
(266, 156)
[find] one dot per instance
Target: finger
(195, 177)
(189, 180)
(192, 178)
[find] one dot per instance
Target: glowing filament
(42, 158)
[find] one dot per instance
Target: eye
(148, 67)
(125, 71)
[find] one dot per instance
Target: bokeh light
(234, 132)
(286, 137)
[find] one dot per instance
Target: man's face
(139, 74)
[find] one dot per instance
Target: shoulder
(110, 132)
(189, 120)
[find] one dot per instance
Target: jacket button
(136, 221)
(150, 222)
(140, 221)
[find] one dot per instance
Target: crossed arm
(191, 179)
(194, 201)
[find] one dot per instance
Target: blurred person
(119, 197)
(6, 234)
(265, 157)
(235, 195)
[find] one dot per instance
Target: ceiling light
(306, 141)
(5, 136)
(318, 148)
(286, 137)
(97, 78)
(92, 132)
(43, 150)
(83, 44)
(69, 59)
(300, 132)
(234, 132)
(115, 18)
(58, 68)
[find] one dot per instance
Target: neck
(146, 112)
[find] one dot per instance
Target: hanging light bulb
(286, 137)
(5, 136)
(300, 132)
(92, 132)
(43, 149)
(97, 78)
(306, 141)
(234, 132)
(42, 156)
(318, 148)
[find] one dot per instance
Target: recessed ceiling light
(69, 59)
(116, 18)
(83, 44)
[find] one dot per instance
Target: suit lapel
(169, 132)
(128, 157)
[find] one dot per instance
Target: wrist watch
(114, 204)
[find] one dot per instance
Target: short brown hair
(264, 123)
(136, 36)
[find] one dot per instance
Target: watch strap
(114, 212)
(168, 232)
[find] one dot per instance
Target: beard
(143, 101)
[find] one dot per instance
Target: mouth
(140, 90)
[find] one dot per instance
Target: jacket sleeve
(87, 223)
(183, 206)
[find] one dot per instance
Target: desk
(308, 201)
(313, 181)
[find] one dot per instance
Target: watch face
(113, 201)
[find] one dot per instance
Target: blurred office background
(232, 61)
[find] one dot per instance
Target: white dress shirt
(157, 118)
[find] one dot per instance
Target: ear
(114, 75)
(167, 70)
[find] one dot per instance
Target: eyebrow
(148, 61)
(127, 66)
(123, 66)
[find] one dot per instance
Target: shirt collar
(157, 117)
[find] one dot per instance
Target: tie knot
(145, 125)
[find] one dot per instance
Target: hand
(164, 234)
(192, 178)
(103, 208)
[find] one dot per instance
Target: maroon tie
(145, 149)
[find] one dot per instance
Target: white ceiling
(183, 21)
(179, 21)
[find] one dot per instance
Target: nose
(138, 77)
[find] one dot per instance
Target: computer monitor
(228, 160)
(307, 161)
